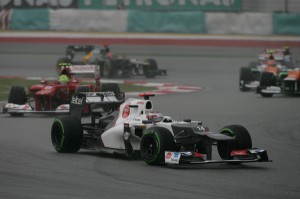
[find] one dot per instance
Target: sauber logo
(168, 155)
(126, 111)
(76, 100)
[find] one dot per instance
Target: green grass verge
(7, 83)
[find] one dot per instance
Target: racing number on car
(126, 111)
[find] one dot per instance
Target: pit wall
(194, 22)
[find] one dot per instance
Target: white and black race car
(133, 127)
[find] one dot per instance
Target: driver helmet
(286, 50)
(64, 79)
(106, 48)
(155, 116)
(64, 76)
(65, 71)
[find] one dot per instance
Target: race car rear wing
(84, 70)
(100, 99)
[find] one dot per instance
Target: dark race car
(111, 65)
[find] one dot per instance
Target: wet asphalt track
(30, 168)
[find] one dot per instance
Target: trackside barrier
(286, 24)
(193, 22)
(30, 19)
(88, 20)
(176, 22)
(239, 23)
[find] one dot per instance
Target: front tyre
(17, 95)
(66, 134)
(242, 140)
(154, 143)
(151, 68)
(266, 80)
(245, 77)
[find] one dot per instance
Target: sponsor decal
(168, 155)
(163, 4)
(126, 110)
(140, 102)
(243, 152)
(91, 94)
(66, 107)
(26, 106)
(48, 87)
(257, 150)
(172, 157)
(76, 100)
(8, 4)
(82, 67)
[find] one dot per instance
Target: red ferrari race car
(50, 97)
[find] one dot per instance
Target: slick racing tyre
(253, 64)
(245, 77)
(267, 79)
(150, 69)
(17, 95)
(66, 134)
(111, 87)
(242, 140)
(109, 69)
(126, 68)
(154, 143)
(82, 89)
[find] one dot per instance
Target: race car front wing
(26, 108)
(236, 157)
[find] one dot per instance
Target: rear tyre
(154, 143)
(151, 68)
(242, 140)
(106, 71)
(253, 64)
(111, 87)
(83, 89)
(109, 69)
(17, 95)
(66, 134)
(245, 77)
(126, 68)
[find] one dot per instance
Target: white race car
(133, 127)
